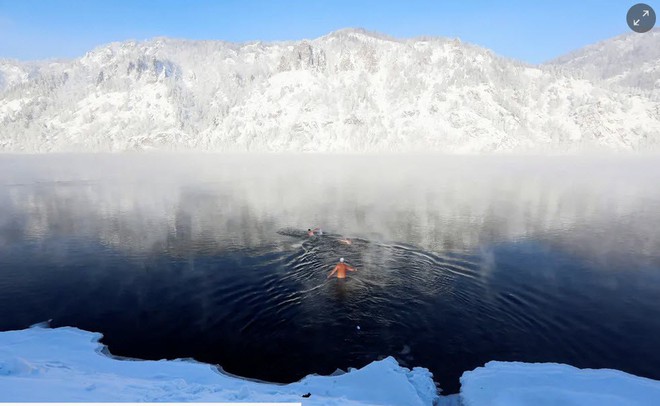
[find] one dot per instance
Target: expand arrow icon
(636, 23)
(646, 13)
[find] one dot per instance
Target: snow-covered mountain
(349, 91)
(631, 60)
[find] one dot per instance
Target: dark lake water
(460, 260)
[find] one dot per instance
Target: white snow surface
(348, 91)
(70, 365)
(519, 383)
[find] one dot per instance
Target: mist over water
(460, 260)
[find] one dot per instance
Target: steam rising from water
(144, 202)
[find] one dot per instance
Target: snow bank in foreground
(518, 383)
(66, 364)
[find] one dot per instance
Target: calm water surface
(460, 260)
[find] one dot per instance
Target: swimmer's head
(341, 259)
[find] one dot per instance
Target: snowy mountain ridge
(348, 91)
(628, 60)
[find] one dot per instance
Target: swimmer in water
(311, 232)
(346, 241)
(340, 269)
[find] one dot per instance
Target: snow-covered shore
(70, 365)
(67, 364)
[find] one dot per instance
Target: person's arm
(333, 272)
(350, 268)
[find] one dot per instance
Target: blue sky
(532, 31)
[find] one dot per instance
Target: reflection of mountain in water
(459, 203)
